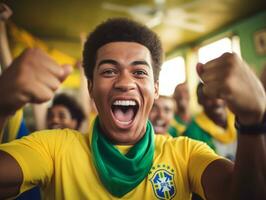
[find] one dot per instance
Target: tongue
(124, 116)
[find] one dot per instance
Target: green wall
(245, 29)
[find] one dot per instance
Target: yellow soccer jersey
(60, 161)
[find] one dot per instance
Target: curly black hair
(71, 104)
(121, 29)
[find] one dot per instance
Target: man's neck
(219, 121)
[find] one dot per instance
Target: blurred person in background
(65, 112)
(215, 125)
(161, 114)
(182, 114)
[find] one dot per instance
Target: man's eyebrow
(141, 62)
(107, 61)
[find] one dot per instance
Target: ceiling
(60, 23)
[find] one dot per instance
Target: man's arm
(229, 78)
(33, 77)
(5, 54)
(10, 176)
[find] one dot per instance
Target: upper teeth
(124, 103)
(159, 122)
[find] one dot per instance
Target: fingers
(52, 81)
(45, 67)
(229, 78)
(33, 77)
(216, 75)
(37, 75)
(214, 90)
(67, 70)
(40, 93)
(199, 68)
(5, 11)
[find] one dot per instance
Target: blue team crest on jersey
(163, 184)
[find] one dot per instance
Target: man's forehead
(123, 50)
(117, 43)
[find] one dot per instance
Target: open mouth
(56, 126)
(124, 111)
(160, 126)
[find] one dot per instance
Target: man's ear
(156, 89)
(89, 83)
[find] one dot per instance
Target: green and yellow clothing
(61, 162)
(177, 126)
(15, 128)
(167, 134)
(223, 141)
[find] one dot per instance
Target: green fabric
(121, 173)
(195, 132)
(179, 120)
(173, 131)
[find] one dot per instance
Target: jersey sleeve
(36, 155)
(201, 155)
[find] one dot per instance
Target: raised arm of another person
(5, 54)
(231, 79)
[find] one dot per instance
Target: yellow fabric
(91, 119)
(165, 134)
(72, 81)
(63, 158)
(178, 126)
(222, 135)
(21, 39)
(123, 148)
(61, 57)
(13, 125)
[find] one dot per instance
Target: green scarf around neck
(122, 173)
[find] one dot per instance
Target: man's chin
(159, 130)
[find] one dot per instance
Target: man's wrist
(252, 129)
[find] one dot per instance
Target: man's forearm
(5, 54)
(250, 167)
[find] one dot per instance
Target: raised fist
(231, 79)
(33, 77)
(5, 11)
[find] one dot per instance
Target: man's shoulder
(176, 143)
(63, 134)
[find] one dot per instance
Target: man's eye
(108, 72)
(140, 72)
(167, 110)
(62, 117)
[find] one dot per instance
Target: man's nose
(219, 102)
(54, 119)
(125, 81)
